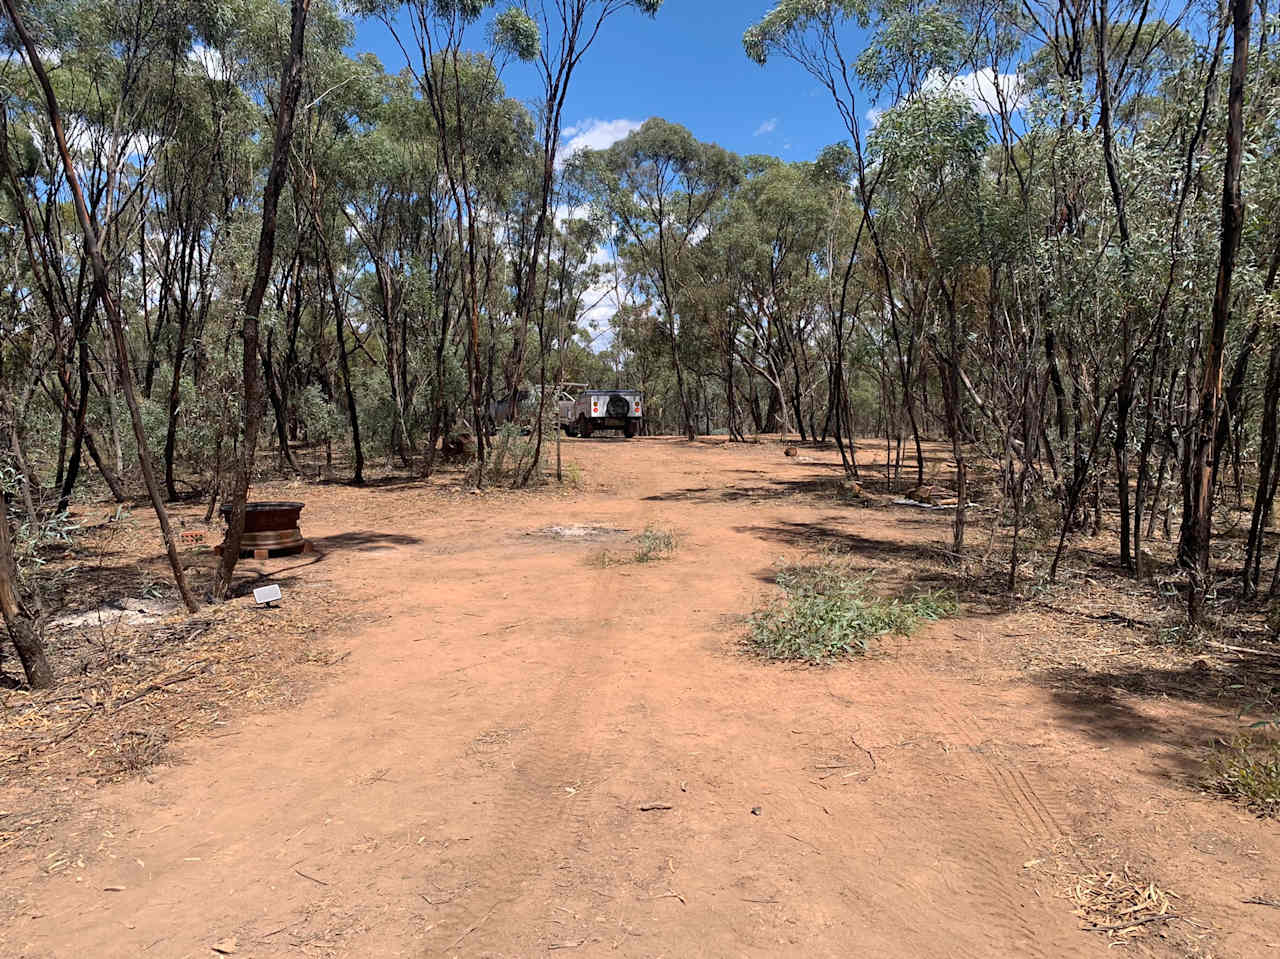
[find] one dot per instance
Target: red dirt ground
(471, 781)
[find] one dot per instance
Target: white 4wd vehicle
(595, 410)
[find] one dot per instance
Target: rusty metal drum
(270, 529)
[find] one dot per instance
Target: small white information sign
(267, 594)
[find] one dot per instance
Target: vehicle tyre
(584, 428)
(630, 430)
(570, 429)
(618, 406)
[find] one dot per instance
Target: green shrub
(511, 454)
(828, 614)
(1247, 769)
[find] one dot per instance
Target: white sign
(267, 594)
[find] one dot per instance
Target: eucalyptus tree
(713, 297)
(19, 345)
(117, 66)
(1263, 271)
(452, 81)
(662, 188)
(337, 91)
(564, 33)
(931, 147)
(198, 190)
(18, 622)
(1206, 449)
(782, 214)
(910, 44)
(570, 273)
(289, 92)
(95, 225)
(380, 173)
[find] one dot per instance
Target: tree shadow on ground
(377, 484)
(825, 533)
(1132, 706)
(776, 489)
(97, 582)
(247, 580)
(362, 541)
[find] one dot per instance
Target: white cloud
(91, 139)
(564, 212)
(49, 57)
(211, 60)
(595, 135)
(598, 304)
(767, 127)
(983, 89)
(601, 257)
(873, 115)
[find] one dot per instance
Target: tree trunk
(81, 413)
(1121, 448)
(275, 391)
(344, 368)
(111, 479)
(21, 627)
(103, 293)
(175, 392)
(1266, 464)
(1211, 384)
(690, 428)
(24, 471)
(290, 90)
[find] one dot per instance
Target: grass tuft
(138, 749)
(828, 614)
(1247, 769)
(653, 544)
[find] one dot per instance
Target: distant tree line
(1049, 235)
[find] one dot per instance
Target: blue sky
(686, 65)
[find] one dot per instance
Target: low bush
(1247, 769)
(829, 614)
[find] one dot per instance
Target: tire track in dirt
(1000, 896)
(1016, 791)
(531, 810)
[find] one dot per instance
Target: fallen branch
(189, 673)
(803, 842)
(1259, 901)
(666, 895)
(1129, 925)
(474, 926)
(287, 925)
(1242, 649)
(312, 878)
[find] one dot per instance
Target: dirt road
(528, 753)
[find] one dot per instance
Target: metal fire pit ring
(270, 529)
